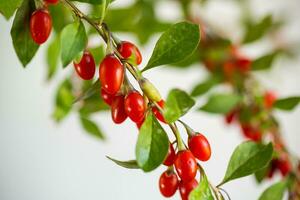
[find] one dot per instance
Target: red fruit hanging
(284, 165)
(269, 99)
(168, 183)
(156, 112)
(51, 1)
(243, 64)
(111, 74)
(130, 52)
(118, 113)
(40, 26)
(108, 98)
(86, 67)
(186, 165)
(135, 106)
(185, 188)
(251, 133)
(170, 157)
(200, 147)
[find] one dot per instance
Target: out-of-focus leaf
(24, 45)
(53, 53)
(91, 127)
(92, 90)
(264, 62)
(288, 103)
(98, 54)
(95, 2)
(131, 164)
(93, 104)
(205, 86)
(61, 16)
(8, 7)
(274, 192)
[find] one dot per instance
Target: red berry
(118, 113)
(185, 188)
(139, 124)
(156, 112)
(130, 52)
(269, 99)
(86, 67)
(108, 98)
(168, 183)
(200, 147)
(228, 69)
(229, 118)
(186, 165)
(251, 133)
(284, 166)
(111, 74)
(51, 1)
(243, 64)
(40, 26)
(170, 157)
(135, 106)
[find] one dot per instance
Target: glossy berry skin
(156, 112)
(130, 52)
(135, 106)
(168, 183)
(186, 165)
(40, 26)
(185, 188)
(118, 113)
(111, 74)
(200, 147)
(108, 98)
(269, 99)
(51, 1)
(170, 157)
(86, 67)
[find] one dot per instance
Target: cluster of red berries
(41, 23)
(185, 165)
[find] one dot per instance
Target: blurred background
(42, 160)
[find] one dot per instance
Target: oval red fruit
(135, 106)
(108, 98)
(168, 183)
(40, 26)
(156, 112)
(170, 157)
(269, 99)
(51, 1)
(186, 165)
(118, 113)
(185, 188)
(200, 147)
(86, 67)
(111, 74)
(130, 52)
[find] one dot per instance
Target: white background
(41, 160)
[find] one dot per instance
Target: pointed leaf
(131, 164)
(274, 192)
(53, 53)
(205, 86)
(264, 62)
(8, 7)
(288, 103)
(202, 191)
(92, 128)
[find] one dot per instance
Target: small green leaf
(131, 164)
(98, 54)
(53, 53)
(274, 192)
(152, 144)
(287, 103)
(264, 62)
(205, 86)
(177, 104)
(176, 44)
(202, 191)
(61, 16)
(221, 103)
(8, 7)
(246, 159)
(95, 88)
(24, 45)
(91, 127)
(94, 2)
(73, 41)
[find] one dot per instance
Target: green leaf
(261, 174)
(176, 44)
(274, 192)
(98, 54)
(53, 53)
(91, 127)
(93, 104)
(95, 2)
(246, 159)
(94, 89)
(24, 45)
(177, 104)
(221, 103)
(287, 103)
(61, 16)
(264, 62)
(73, 41)
(131, 164)
(8, 7)
(152, 144)
(205, 86)
(202, 191)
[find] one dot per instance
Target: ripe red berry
(243, 64)
(186, 165)
(156, 112)
(40, 26)
(284, 166)
(139, 124)
(168, 183)
(269, 99)
(130, 52)
(86, 67)
(108, 98)
(170, 157)
(135, 106)
(118, 113)
(200, 147)
(51, 1)
(229, 118)
(111, 74)
(185, 188)
(251, 133)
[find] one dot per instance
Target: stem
(180, 144)
(103, 11)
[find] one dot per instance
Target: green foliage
(24, 46)
(221, 103)
(131, 164)
(274, 192)
(152, 144)
(95, 2)
(202, 192)
(174, 45)
(8, 7)
(246, 159)
(92, 90)
(261, 174)
(264, 62)
(53, 53)
(73, 41)
(91, 128)
(98, 54)
(287, 103)
(177, 104)
(205, 86)
(60, 15)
